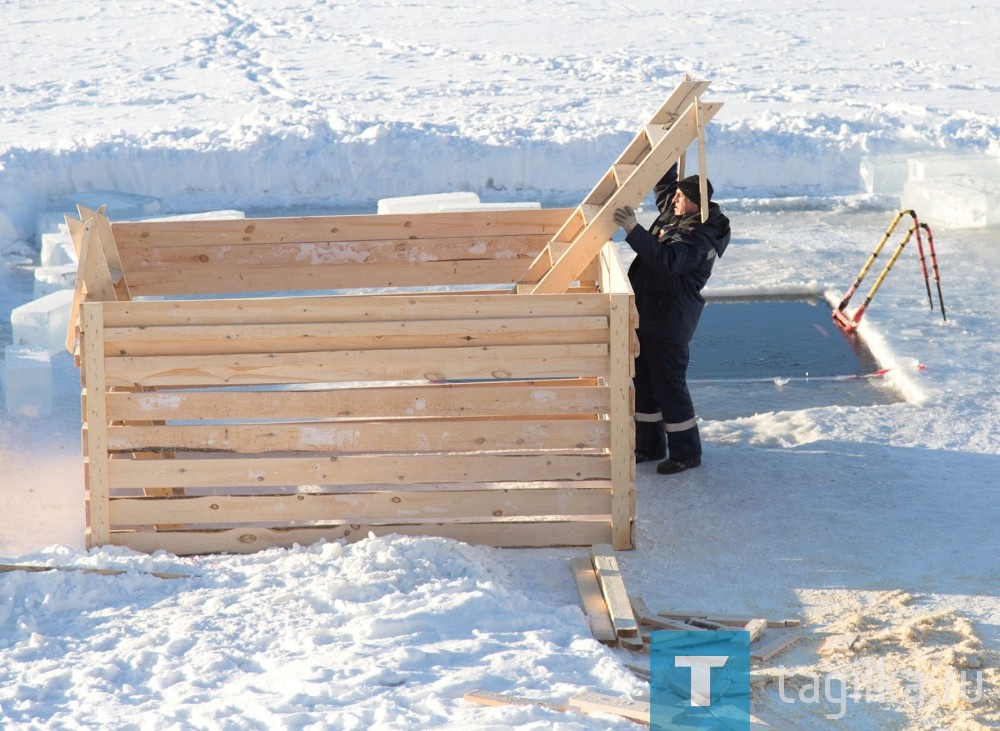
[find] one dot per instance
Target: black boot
(673, 466)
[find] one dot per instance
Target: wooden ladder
(679, 122)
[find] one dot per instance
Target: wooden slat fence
(225, 412)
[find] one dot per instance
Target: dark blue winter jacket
(673, 262)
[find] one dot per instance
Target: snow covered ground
(876, 520)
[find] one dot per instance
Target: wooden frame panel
(484, 416)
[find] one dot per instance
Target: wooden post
(75, 227)
(96, 462)
(622, 425)
(699, 122)
(94, 269)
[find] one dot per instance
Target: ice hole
(758, 355)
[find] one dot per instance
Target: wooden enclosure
(259, 382)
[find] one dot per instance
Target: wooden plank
(311, 337)
(636, 154)
(488, 698)
(396, 506)
(686, 92)
(732, 620)
(599, 231)
(613, 587)
(702, 163)
(543, 534)
(354, 470)
(446, 400)
(96, 462)
(621, 421)
(364, 227)
(593, 601)
(102, 229)
(375, 487)
(178, 281)
(432, 364)
(94, 269)
(756, 628)
(167, 254)
(479, 436)
(772, 647)
(707, 624)
(590, 702)
(645, 616)
(352, 308)
(7, 567)
(75, 227)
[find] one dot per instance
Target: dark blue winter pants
(664, 412)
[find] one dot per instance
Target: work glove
(625, 217)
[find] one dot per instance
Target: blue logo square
(699, 680)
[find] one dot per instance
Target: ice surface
(929, 166)
(49, 222)
(954, 201)
(431, 203)
(49, 279)
(884, 174)
(203, 216)
(119, 205)
(42, 323)
(875, 517)
(27, 381)
(515, 206)
(57, 249)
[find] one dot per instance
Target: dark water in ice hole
(742, 346)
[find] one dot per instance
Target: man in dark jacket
(673, 261)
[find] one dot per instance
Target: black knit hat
(689, 187)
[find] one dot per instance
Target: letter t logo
(701, 675)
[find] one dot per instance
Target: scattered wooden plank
(6, 567)
(708, 624)
(733, 620)
(756, 628)
(645, 616)
(769, 649)
(613, 587)
(489, 698)
(593, 601)
(590, 702)
(636, 644)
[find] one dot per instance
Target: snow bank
(387, 632)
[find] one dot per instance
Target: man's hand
(625, 217)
